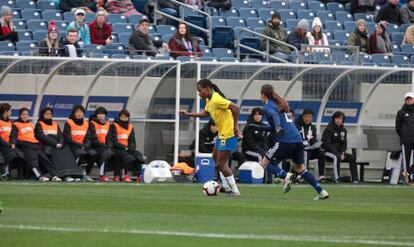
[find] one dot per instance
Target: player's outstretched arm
(193, 114)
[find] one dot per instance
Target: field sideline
(99, 214)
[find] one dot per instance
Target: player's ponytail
(268, 91)
(207, 83)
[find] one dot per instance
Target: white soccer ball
(211, 188)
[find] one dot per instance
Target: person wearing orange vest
(11, 156)
(49, 134)
(122, 135)
(77, 137)
(23, 136)
(99, 128)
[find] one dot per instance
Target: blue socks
(311, 180)
(274, 169)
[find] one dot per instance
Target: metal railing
(208, 31)
(266, 53)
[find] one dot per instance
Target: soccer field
(99, 214)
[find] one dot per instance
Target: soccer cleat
(56, 179)
(104, 178)
(69, 179)
(86, 178)
(116, 179)
(287, 182)
(406, 177)
(224, 190)
(322, 195)
(78, 180)
(231, 193)
(127, 179)
(43, 179)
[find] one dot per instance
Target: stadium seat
(23, 46)
(309, 58)
(7, 46)
(407, 49)
(183, 58)
(338, 57)
(229, 13)
(20, 24)
(218, 21)
(26, 4)
(380, 59)
(349, 26)
(68, 16)
(31, 14)
(291, 23)
(247, 13)
(278, 5)
(50, 15)
(62, 25)
(124, 38)
(208, 59)
(316, 6)
(222, 52)
(412, 60)
(371, 27)
(115, 18)
(388, 65)
(236, 22)
(39, 35)
(207, 52)
(363, 16)
(240, 4)
(341, 35)
(166, 38)
(122, 28)
(343, 16)
(98, 55)
(257, 4)
(228, 59)
(254, 43)
(396, 48)
(348, 7)
(120, 56)
(255, 22)
(392, 28)
(294, 4)
(287, 14)
(36, 25)
(187, 11)
(9, 3)
(134, 19)
(17, 14)
(305, 14)
(199, 21)
(259, 29)
(115, 48)
(325, 15)
(47, 4)
(238, 33)
(334, 6)
(322, 56)
(397, 37)
(327, 62)
(24, 35)
(223, 37)
(10, 53)
(333, 25)
(404, 27)
(400, 59)
(92, 49)
(166, 29)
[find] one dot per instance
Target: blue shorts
(283, 150)
(229, 144)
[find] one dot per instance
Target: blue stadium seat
(9, 3)
(412, 60)
(166, 38)
(294, 4)
(39, 35)
(408, 49)
(236, 22)
(287, 14)
(26, 4)
(343, 16)
(23, 46)
(247, 12)
(400, 59)
(92, 49)
(335, 42)
(124, 38)
(166, 29)
(98, 55)
(122, 27)
(223, 37)
(266, 14)
(366, 17)
(187, 11)
(338, 57)
(341, 35)
(90, 17)
(7, 46)
(348, 7)
(31, 14)
(239, 34)
(10, 53)
(309, 58)
(327, 62)
(322, 56)
(20, 24)
(24, 35)
(371, 27)
(396, 48)
(278, 5)
(397, 37)
(333, 25)
(256, 4)
(316, 6)
(223, 52)
(259, 29)
(52, 15)
(62, 25)
(36, 25)
(404, 27)
(229, 13)
(228, 59)
(134, 19)
(305, 14)
(392, 28)
(183, 58)
(240, 4)
(208, 59)
(380, 59)
(325, 15)
(115, 18)
(17, 14)
(291, 23)
(68, 16)
(349, 26)
(212, 11)
(207, 52)
(334, 6)
(197, 20)
(120, 56)
(255, 22)
(47, 4)
(115, 48)
(218, 21)
(388, 65)
(254, 43)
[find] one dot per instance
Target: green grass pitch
(99, 214)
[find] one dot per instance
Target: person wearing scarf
(7, 30)
(407, 12)
(50, 46)
(12, 156)
(360, 38)
(379, 41)
(184, 44)
(48, 132)
(77, 137)
(122, 135)
(23, 136)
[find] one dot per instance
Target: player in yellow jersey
(225, 114)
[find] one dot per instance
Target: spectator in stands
(298, 36)
(390, 13)
(255, 142)
(184, 44)
(363, 6)
(379, 40)
(7, 31)
(274, 30)
(317, 36)
(219, 4)
(100, 30)
(125, 7)
(407, 12)
(360, 37)
(334, 141)
(84, 36)
(50, 46)
(310, 141)
(72, 5)
(70, 46)
(165, 6)
(199, 4)
(409, 35)
(140, 41)
(404, 125)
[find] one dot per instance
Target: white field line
(296, 238)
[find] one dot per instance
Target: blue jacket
(279, 119)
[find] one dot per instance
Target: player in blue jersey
(288, 142)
